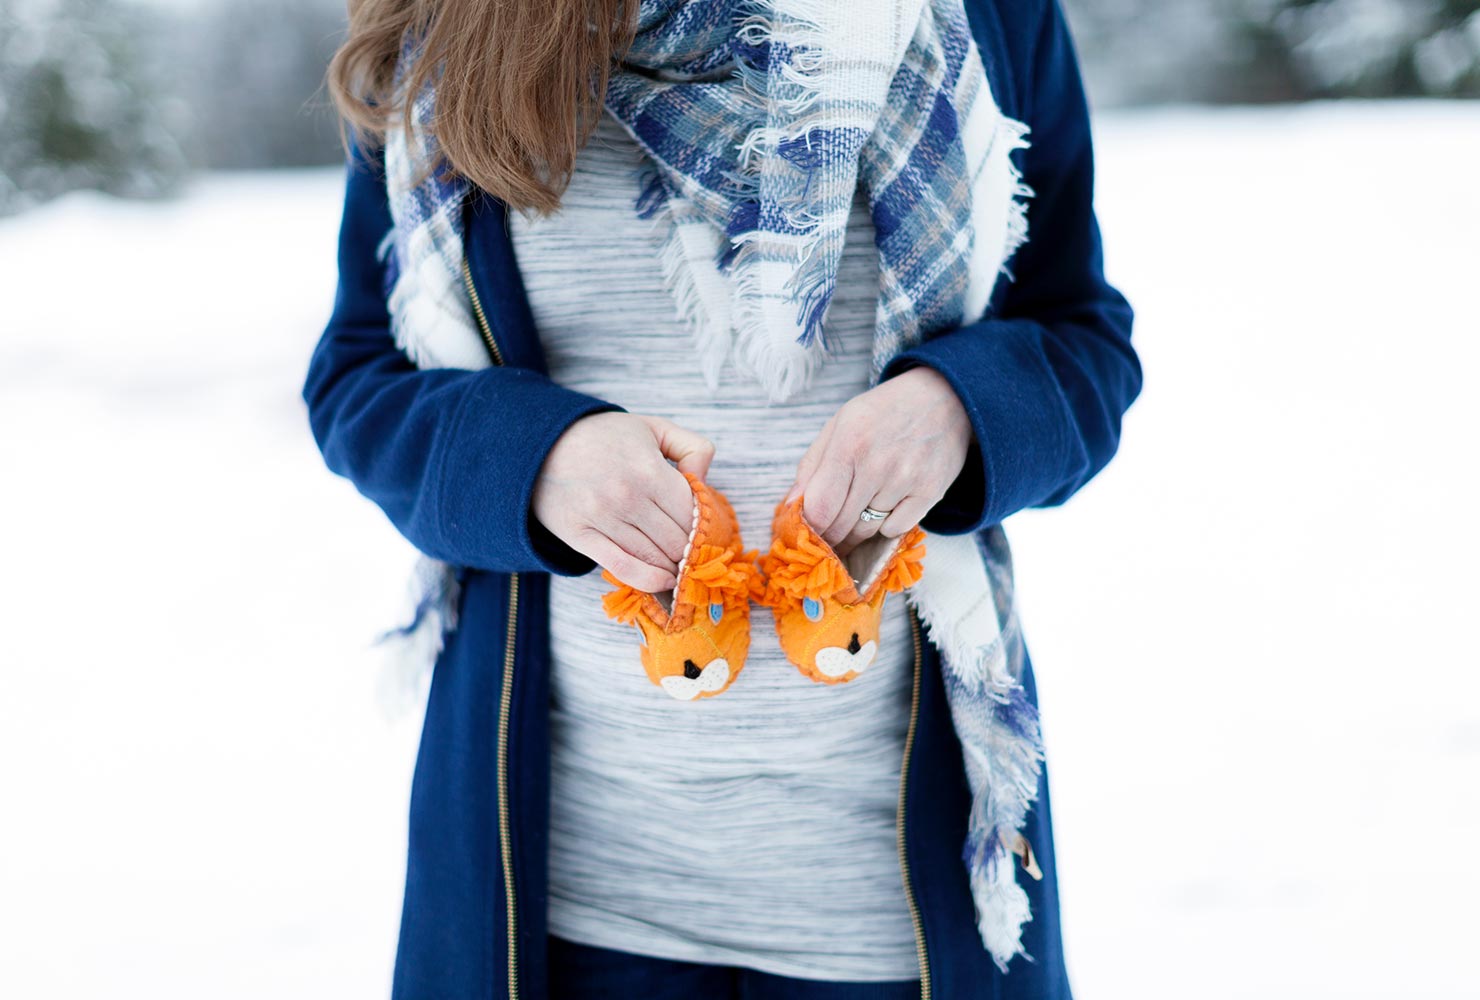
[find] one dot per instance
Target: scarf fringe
(1014, 134)
(689, 243)
(409, 652)
(797, 45)
(750, 322)
(1002, 908)
(782, 365)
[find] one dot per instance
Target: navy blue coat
(451, 456)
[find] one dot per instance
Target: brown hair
(521, 86)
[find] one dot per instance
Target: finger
(807, 467)
(656, 523)
(906, 514)
(827, 490)
(691, 451)
(887, 499)
(861, 489)
(636, 542)
(624, 565)
(675, 498)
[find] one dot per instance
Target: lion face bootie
(828, 608)
(696, 637)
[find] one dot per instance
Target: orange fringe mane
(712, 574)
(810, 570)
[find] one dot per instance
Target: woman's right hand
(606, 490)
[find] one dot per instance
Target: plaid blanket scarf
(759, 119)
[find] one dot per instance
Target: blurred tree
(1385, 48)
(121, 96)
(78, 106)
(1148, 51)
(253, 74)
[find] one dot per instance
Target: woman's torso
(758, 827)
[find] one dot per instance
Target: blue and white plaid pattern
(761, 134)
(759, 120)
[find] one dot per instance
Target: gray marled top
(756, 828)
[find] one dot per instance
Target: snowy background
(1254, 633)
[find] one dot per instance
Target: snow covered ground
(1254, 633)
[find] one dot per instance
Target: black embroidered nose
(691, 669)
(853, 646)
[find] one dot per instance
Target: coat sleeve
(450, 455)
(1048, 375)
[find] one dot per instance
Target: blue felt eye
(716, 612)
(812, 608)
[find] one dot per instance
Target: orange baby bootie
(828, 608)
(696, 636)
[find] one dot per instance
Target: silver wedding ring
(869, 514)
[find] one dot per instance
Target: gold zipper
(506, 697)
(506, 848)
(480, 315)
(904, 785)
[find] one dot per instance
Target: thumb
(693, 452)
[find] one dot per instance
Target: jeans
(582, 972)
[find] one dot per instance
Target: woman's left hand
(896, 448)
